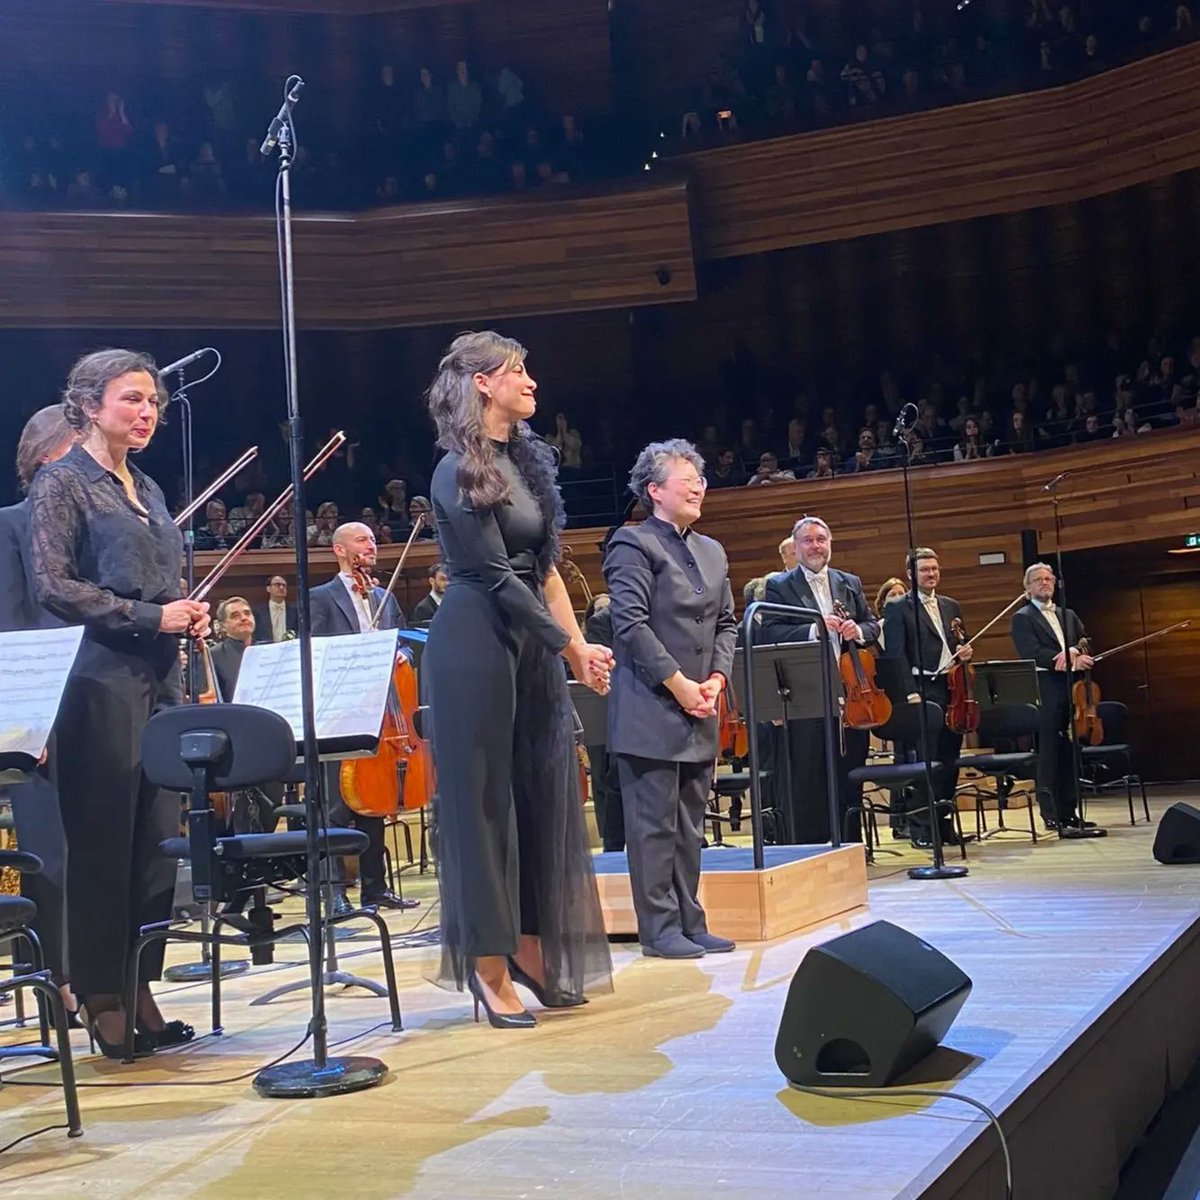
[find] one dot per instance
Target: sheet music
(351, 678)
(34, 666)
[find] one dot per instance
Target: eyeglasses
(689, 481)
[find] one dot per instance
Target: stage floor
(667, 1088)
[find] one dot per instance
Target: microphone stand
(320, 1075)
(194, 971)
(938, 869)
(1066, 833)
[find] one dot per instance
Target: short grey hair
(807, 520)
(654, 464)
(1037, 566)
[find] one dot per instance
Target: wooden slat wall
(420, 264)
(1110, 132)
(1118, 491)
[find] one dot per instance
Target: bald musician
(338, 609)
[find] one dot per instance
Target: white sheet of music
(34, 666)
(351, 678)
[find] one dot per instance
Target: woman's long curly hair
(457, 407)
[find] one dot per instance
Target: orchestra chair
(17, 915)
(1003, 724)
(1112, 755)
(201, 749)
(904, 725)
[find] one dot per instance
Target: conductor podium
(757, 892)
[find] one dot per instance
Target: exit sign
(1192, 541)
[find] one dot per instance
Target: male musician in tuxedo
(236, 622)
(276, 620)
(813, 583)
(439, 579)
(337, 609)
(1050, 635)
(939, 648)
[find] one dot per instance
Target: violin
(962, 711)
(734, 740)
(866, 706)
(1085, 695)
(399, 775)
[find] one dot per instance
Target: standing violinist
(939, 650)
(348, 604)
(1050, 635)
(814, 584)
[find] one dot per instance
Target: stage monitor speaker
(865, 1007)
(1178, 837)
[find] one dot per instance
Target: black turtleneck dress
(511, 841)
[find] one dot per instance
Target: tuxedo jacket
(425, 610)
(333, 613)
(19, 607)
(900, 632)
(791, 588)
(262, 621)
(1034, 637)
(672, 610)
(226, 658)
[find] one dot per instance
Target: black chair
(1098, 764)
(903, 726)
(202, 749)
(17, 915)
(1001, 726)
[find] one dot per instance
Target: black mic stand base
(307, 1080)
(1075, 835)
(937, 871)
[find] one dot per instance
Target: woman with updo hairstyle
(106, 555)
(518, 892)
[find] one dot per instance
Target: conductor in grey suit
(673, 638)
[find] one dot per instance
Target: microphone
(1056, 481)
(906, 420)
(291, 93)
(186, 361)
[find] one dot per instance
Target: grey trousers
(664, 827)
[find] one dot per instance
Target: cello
(399, 775)
(866, 706)
(962, 710)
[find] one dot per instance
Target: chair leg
(389, 968)
(1145, 803)
(1129, 799)
(49, 996)
(1029, 809)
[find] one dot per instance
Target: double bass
(399, 776)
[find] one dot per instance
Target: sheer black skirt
(509, 829)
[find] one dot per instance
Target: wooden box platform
(797, 887)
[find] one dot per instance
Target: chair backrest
(1007, 722)
(1114, 716)
(904, 724)
(261, 747)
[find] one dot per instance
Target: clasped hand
(698, 700)
(591, 664)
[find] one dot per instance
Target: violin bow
(971, 641)
(1138, 641)
(418, 524)
(216, 485)
(243, 543)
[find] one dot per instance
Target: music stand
(788, 681)
(1000, 684)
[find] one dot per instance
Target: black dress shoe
(387, 899)
(1077, 823)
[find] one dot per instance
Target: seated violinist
(939, 648)
(352, 602)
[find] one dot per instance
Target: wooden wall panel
(421, 264)
(1118, 492)
(1124, 127)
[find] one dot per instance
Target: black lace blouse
(96, 562)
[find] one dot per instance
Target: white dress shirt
(1050, 612)
(278, 611)
(362, 604)
(935, 615)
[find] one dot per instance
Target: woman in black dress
(519, 899)
(45, 438)
(106, 555)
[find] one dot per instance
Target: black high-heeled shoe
(497, 1020)
(142, 1046)
(540, 994)
(173, 1033)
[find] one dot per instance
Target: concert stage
(1086, 962)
